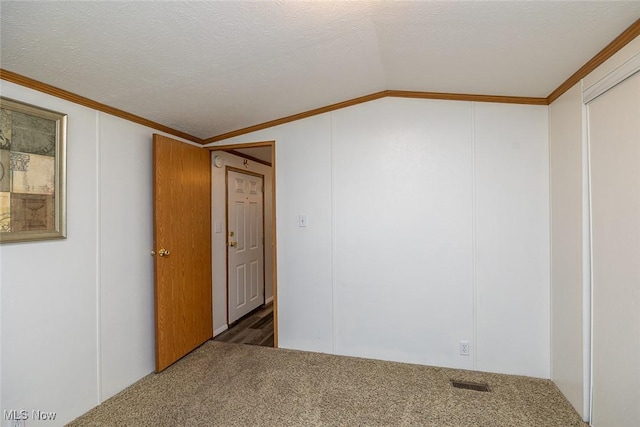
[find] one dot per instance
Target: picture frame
(33, 204)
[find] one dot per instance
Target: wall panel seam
(333, 239)
(550, 213)
(98, 145)
(474, 326)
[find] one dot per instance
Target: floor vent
(470, 386)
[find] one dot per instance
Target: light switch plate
(303, 220)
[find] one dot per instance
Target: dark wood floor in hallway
(254, 329)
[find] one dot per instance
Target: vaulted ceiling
(210, 67)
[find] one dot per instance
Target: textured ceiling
(206, 68)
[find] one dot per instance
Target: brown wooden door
(182, 226)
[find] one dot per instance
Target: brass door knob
(233, 244)
(164, 252)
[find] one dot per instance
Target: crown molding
(378, 95)
(30, 83)
(611, 49)
(299, 116)
(468, 97)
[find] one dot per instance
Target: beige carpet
(223, 384)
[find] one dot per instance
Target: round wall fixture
(217, 161)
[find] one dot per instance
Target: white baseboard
(268, 300)
(220, 330)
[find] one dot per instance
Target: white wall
(305, 260)
(512, 239)
(77, 314)
(567, 343)
(219, 240)
(428, 224)
(402, 191)
(49, 289)
(125, 266)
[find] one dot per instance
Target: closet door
(614, 139)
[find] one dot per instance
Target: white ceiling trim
(612, 79)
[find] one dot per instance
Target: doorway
(248, 162)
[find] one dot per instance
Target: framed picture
(32, 173)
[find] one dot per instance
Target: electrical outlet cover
(465, 348)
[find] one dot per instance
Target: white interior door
(246, 245)
(614, 143)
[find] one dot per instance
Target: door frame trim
(228, 169)
(274, 261)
